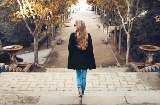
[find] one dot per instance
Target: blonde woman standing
(81, 56)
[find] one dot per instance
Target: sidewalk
(29, 57)
(59, 88)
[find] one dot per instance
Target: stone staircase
(57, 86)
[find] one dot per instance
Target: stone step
(109, 69)
(59, 88)
(92, 98)
(66, 81)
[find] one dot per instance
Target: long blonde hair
(81, 35)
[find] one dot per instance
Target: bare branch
(21, 8)
(29, 5)
(28, 26)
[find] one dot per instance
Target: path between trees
(103, 54)
(56, 56)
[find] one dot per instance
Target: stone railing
(141, 67)
(20, 67)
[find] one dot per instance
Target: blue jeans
(81, 79)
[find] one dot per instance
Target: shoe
(80, 91)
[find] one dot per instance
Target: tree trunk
(49, 39)
(70, 11)
(53, 31)
(103, 19)
(96, 11)
(48, 34)
(115, 36)
(107, 30)
(36, 49)
(128, 48)
(120, 40)
(1, 45)
(66, 15)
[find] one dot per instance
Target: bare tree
(124, 9)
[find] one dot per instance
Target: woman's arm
(71, 43)
(91, 54)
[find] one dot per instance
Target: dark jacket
(80, 59)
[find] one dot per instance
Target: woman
(81, 55)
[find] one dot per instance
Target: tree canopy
(37, 12)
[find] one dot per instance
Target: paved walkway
(29, 57)
(59, 87)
